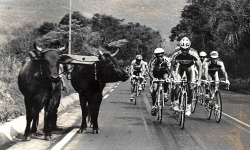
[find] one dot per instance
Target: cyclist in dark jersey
(187, 58)
(159, 68)
(212, 67)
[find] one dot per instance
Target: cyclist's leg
(153, 111)
(140, 80)
(165, 87)
(211, 76)
(179, 74)
(154, 93)
(191, 83)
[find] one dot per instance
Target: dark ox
(39, 82)
(89, 81)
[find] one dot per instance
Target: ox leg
(47, 120)
(54, 115)
(84, 108)
(29, 116)
(94, 107)
(36, 109)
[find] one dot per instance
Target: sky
(161, 15)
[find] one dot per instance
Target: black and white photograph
(124, 74)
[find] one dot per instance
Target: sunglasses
(159, 56)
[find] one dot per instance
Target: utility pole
(69, 26)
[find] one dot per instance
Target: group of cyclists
(185, 61)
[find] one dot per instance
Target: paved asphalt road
(126, 126)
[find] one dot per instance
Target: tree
(46, 27)
(76, 15)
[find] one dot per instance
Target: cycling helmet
(139, 57)
(214, 54)
(158, 51)
(203, 54)
(185, 43)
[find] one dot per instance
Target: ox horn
(101, 53)
(65, 47)
(113, 55)
(36, 47)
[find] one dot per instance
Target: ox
(39, 82)
(89, 81)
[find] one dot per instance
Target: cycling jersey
(212, 68)
(160, 68)
(137, 67)
(186, 60)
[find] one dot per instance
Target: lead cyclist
(187, 58)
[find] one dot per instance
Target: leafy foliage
(222, 26)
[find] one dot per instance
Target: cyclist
(137, 68)
(213, 65)
(160, 68)
(146, 72)
(187, 58)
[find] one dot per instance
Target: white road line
(115, 87)
(106, 96)
(111, 90)
(60, 144)
(247, 125)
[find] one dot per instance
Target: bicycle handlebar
(213, 81)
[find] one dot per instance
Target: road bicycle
(214, 101)
(197, 96)
(202, 92)
(183, 98)
(160, 97)
(135, 88)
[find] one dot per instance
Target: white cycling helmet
(139, 57)
(185, 43)
(214, 54)
(203, 54)
(158, 51)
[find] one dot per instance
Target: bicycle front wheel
(160, 102)
(194, 100)
(135, 93)
(182, 110)
(208, 109)
(202, 95)
(217, 107)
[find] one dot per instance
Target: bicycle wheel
(208, 109)
(203, 94)
(194, 100)
(160, 110)
(217, 107)
(136, 93)
(183, 110)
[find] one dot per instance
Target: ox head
(109, 69)
(49, 59)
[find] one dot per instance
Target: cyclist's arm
(143, 69)
(206, 71)
(224, 72)
(173, 68)
(132, 68)
(199, 68)
(151, 71)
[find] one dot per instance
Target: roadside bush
(240, 85)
